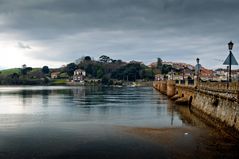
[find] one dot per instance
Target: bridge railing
(222, 87)
(185, 82)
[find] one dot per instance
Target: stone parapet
(217, 101)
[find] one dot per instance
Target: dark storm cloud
(128, 29)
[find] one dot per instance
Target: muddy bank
(189, 142)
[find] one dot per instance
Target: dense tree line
(105, 68)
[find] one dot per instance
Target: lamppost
(230, 60)
(197, 71)
(172, 74)
(230, 46)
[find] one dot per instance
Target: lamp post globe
(197, 60)
(230, 45)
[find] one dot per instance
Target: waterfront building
(55, 74)
(79, 75)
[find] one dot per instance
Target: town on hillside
(182, 71)
(108, 71)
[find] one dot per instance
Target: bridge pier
(171, 88)
(163, 87)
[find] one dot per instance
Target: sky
(57, 32)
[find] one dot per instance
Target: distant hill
(10, 71)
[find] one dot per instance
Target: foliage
(25, 70)
(166, 69)
(10, 71)
(45, 69)
(87, 58)
(108, 70)
(100, 73)
(105, 59)
(133, 72)
(159, 63)
(70, 68)
(23, 76)
(63, 75)
(15, 80)
(106, 81)
(147, 74)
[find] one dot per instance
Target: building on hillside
(79, 75)
(55, 74)
(220, 72)
(158, 77)
(206, 74)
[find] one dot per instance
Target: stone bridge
(217, 102)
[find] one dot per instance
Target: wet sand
(190, 142)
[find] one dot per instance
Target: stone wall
(222, 111)
(165, 87)
(186, 91)
(215, 102)
(171, 89)
(222, 87)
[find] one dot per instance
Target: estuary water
(98, 122)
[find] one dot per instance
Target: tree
(106, 81)
(70, 68)
(45, 69)
(130, 72)
(166, 69)
(100, 73)
(89, 69)
(159, 64)
(87, 58)
(147, 74)
(104, 59)
(14, 78)
(25, 70)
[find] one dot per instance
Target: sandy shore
(189, 142)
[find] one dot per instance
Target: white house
(79, 75)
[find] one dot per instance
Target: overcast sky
(56, 32)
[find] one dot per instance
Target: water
(85, 122)
(117, 106)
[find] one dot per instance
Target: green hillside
(10, 71)
(17, 70)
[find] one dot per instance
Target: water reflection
(120, 106)
(70, 122)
